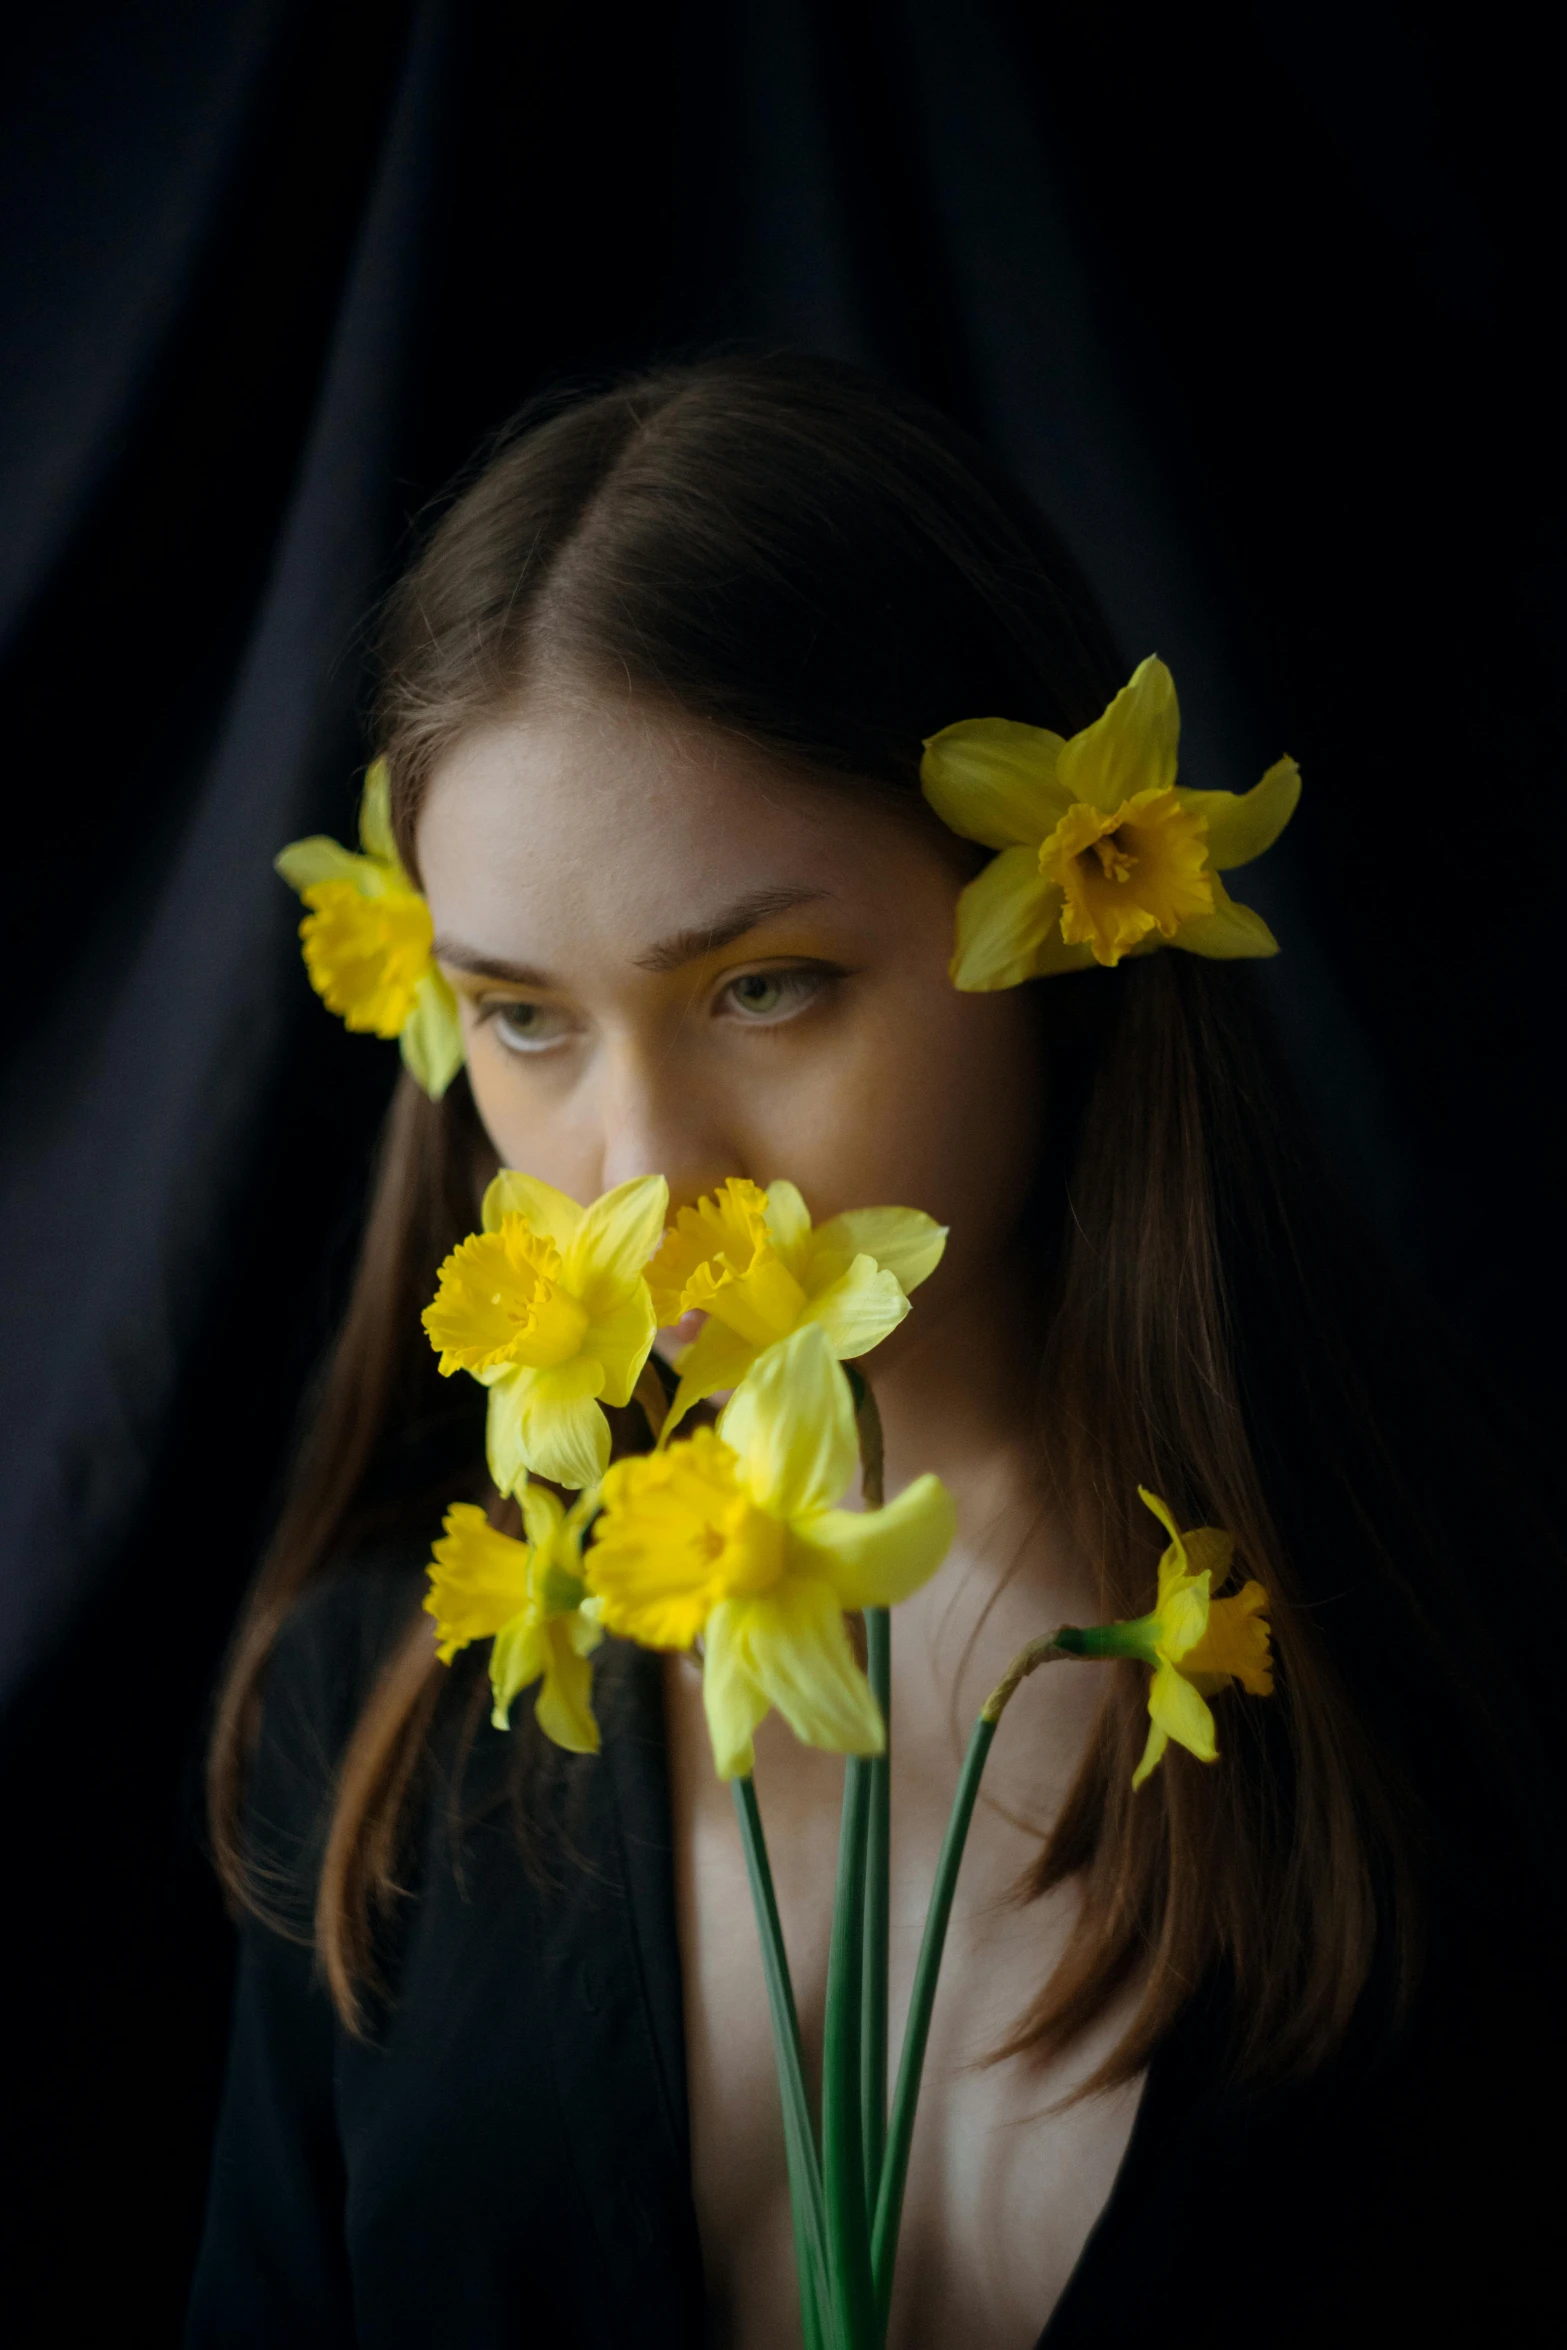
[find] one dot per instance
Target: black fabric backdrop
(1259, 301)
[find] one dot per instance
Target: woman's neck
(957, 1391)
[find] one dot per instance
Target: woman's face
(676, 955)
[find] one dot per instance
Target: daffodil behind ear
(1196, 1644)
(528, 1598)
(754, 1263)
(368, 940)
(736, 1540)
(548, 1308)
(1102, 853)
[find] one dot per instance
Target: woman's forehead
(632, 827)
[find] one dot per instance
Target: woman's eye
(772, 995)
(529, 1028)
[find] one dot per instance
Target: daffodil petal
(1153, 1755)
(788, 1219)
(1058, 954)
(906, 1242)
(431, 1037)
(543, 1514)
(1183, 1615)
(548, 1424)
(376, 836)
(582, 1509)
(731, 1697)
(582, 1629)
(1230, 934)
(305, 862)
(875, 1558)
(1242, 824)
(859, 1308)
(797, 1652)
(1008, 917)
(1209, 1551)
(1162, 1511)
(564, 1433)
(994, 780)
(549, 1211)
(564, 1708)
(717, 1357)
(1182, 1713)
(1131, 748)
(791, 1421)
(503, 1445)
(612, 1244)
(520, 1654)
(621, 1341)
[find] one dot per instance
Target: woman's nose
(654, 1121)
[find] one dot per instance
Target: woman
(654, 702)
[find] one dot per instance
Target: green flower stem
(843, 2162)
(873, 1989)
(878, 1665)
(900, 2130)
(811, 2300)
(805, 2179)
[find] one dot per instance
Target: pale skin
(675, 954)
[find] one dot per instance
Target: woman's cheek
(513, 1109)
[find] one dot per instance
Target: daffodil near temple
(1103, 854)
(548, 1307)
(1196, 1644)
(368, 937)
(528, 1597)
(753, 1262)
(735, 1540)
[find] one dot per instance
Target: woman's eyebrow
(452, 952)
(724, 927)
(683, 946)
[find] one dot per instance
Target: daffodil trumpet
(547, 1306)
(1101, 852)
(369, 942)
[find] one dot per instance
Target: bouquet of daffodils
(732, 1542)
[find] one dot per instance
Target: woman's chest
(1005, 2184)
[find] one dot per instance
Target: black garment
(505, 2161)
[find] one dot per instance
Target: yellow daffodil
(529, 1598)
(547, 1306)
(1103, 853)
(752, 1261)
(367, 939)
(1196, 1644)
(735, 1540)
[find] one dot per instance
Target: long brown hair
(809, 561)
